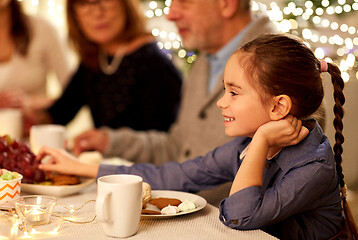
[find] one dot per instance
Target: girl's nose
(221, 103)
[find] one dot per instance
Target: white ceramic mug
(119, 204)
(49, 135)
(11, 123)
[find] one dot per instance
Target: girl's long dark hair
(285, 65)
(339, 100)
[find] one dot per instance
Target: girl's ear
(281, 108)
(228, 7)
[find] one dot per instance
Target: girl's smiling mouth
(228, 119)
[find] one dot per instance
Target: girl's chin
(237, 134)
(231, 134)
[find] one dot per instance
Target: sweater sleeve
(150, 146)
(297, 191)
(205, 172)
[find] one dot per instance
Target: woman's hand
(91, 140)
(284, 132)
(62, 162)
(12, 99)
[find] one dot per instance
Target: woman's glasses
(84, 7)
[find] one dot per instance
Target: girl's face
(101, 21)
(241, 104)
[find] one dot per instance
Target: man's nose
(174, 12)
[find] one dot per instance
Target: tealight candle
(36, 216)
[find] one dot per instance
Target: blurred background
(329, 27)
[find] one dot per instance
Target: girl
(286, 180)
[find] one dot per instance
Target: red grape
(28, 171)
(15, 144)
(21, 164)
(3, 146)
(27, 180)
(23, 148)
(9, 164)
(2, 157)
(39, 176)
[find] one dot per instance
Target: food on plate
(60, 179)
(150, 212)
(163, 202)
(163, 205)
(90, 157)
(146, 193)
(168, 210)
(6, 175)
(187, 205)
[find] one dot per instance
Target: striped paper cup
(10, 190)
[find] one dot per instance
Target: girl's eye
(233, 93)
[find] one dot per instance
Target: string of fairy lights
(318, 24)
(337, 47)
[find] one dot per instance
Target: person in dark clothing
(123, 77)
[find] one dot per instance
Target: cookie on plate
(150, 212)
(163, 202)
(146, 193)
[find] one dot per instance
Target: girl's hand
(268, 140)
(284, 132)
(62, 162)
(91, 140)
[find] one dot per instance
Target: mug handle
(100, 207)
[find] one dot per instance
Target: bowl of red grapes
(17, 157)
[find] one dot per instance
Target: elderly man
(216, 28)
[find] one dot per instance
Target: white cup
(119, 204)
(11, 123)
(49, 135)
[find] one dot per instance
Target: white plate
(56, 191)
(117, 161)
(200, 202)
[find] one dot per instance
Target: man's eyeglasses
(84, 7)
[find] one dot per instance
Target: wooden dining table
(74, 218)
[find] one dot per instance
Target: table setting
(106, 208)
(74, 217)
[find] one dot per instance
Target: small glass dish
(35, 209)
